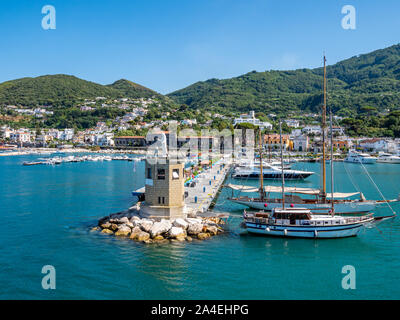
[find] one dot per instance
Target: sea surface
(46, 213)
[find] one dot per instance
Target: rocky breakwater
(164, 231)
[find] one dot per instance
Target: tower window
(161, 174)
(175, 174)
(148, 173)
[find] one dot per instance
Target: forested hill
(65, 90)
(367, 80)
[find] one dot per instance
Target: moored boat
(300, 223)
(270, 172)
(357, 157)
(388, 158)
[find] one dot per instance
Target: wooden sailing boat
(321, 203)
(300, 223)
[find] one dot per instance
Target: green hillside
(66, 91)
(133, 90)
(368, 80)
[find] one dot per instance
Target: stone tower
(164, 189)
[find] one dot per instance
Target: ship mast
(332, 191)
(261, 167)
(283, 176)
(323, 191)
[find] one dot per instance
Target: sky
(167, 45)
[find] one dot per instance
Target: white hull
(361, 160)
(340, 208)
(306, 232)
(390, 160)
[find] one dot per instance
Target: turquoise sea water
(46, 213)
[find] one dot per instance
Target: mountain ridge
(67, 90)
(370, 79)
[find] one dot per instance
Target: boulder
(180, 223)
(107, 231)
(130, 225)
(143, 236)
(176, 232)
(194, 220)
(195, 228)
(158, 238)
(160, 227)
(181, 237)
(134, 218)
(203, 236)
(123, 231)
(213, 230)
(106, 225)
(146, 224)
(124, 220)
(135, 233)
(94, 229)
(114, 226)
(188, 238)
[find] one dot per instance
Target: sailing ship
(299, 222)
(320, 203)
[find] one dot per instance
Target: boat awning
(342, 194)
(278, 189)
(274, 189)
(242, 188)
(292, 190)
(139, 192)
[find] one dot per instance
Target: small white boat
(300, 223)
(357, 157)
(388, 158)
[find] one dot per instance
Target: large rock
(180, 223)
(106, 225)
(213, 230)
(124, 220)
(114, 226)
(194, 220)
(146, 224)
(181, 237)
(107, 231)
(135, 233)
(160, 227)
(123, 231)
(195, 228)
(202, 236)
(176, 232)
(134, 219)
(143, 236)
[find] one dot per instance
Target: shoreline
(41, 151)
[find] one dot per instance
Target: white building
(105, 139)
(6, 132)
(300, 143)
(312, 130)
(67, 134)
(250, 118)
(377, 145)
(189, 122)
(292, 123)
(20, 136)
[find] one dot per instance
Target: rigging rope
(373, 182)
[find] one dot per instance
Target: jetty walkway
(208, 183)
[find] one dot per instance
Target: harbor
(58, 228)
